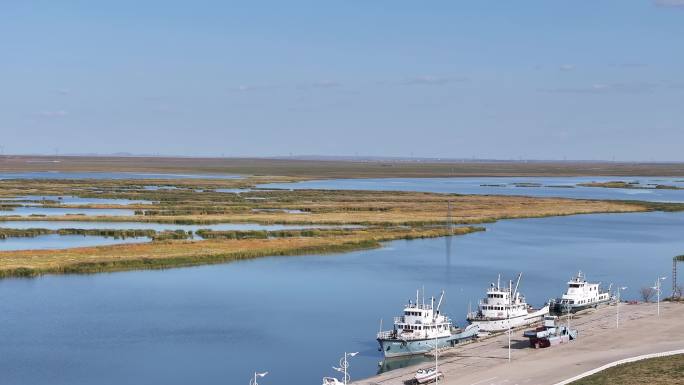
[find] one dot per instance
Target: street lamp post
(657, 289)
(617, 307)
(509, 338)
(344, 366)
(253, 381)
(508, 316)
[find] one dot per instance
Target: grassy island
(378, 216)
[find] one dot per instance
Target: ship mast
(517, 283)
(439, 303)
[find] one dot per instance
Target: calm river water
(544, 187)
(294, 316)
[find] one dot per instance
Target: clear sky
(547, 79)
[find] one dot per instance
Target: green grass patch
(655, 371)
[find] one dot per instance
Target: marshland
(377, 216)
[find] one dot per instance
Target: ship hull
(560, 309)
(392, 347)
(498, 325)
(400, 348)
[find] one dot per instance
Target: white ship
(505, 307)
(581, 295)
(421, 328)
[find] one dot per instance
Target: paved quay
(486, 362)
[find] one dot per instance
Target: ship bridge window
(575, 285)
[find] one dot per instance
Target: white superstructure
(421, 326)
(581, 295)
(503, 308)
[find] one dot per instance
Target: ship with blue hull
(420, 328)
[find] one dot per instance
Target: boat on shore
(581, 295)
(504, 308)
(428, 375)
(420, 328)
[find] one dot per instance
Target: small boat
(332, 381)
(427, 375)
(581, 295)
(421, 326)
(504, 308)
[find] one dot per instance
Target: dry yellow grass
(371, 208)
(365, 207)
(168, 254)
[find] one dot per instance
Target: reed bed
(387, 215)
(177, 253)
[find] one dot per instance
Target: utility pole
(657, 289)
(617, 307)
(508, 316)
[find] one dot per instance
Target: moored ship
(420, 329)
(581, 295)
(504, 308)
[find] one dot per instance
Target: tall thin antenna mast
(518, 282)
(449, 219)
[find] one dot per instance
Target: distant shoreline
(325, 167)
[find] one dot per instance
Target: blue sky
(548, 79)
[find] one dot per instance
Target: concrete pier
(486, 362)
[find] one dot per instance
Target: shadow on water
(401, 362)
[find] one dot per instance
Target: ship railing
(398, 320)
(386, 334)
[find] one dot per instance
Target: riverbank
(599, 343)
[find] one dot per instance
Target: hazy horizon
(530, 80)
